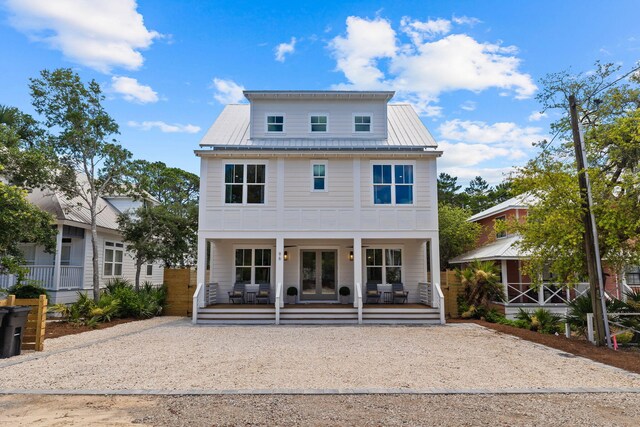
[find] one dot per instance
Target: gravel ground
(167, 354)
(389, 410)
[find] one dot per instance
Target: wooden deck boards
(317, 305)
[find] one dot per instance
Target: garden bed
(625, 358)
(58, 328)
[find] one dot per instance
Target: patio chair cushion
(372, 293)
(235, 294)
(399, 293)
(263, 293)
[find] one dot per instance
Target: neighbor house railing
(545, 293)
(198, 302)
(70, 277)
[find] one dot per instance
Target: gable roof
(505, 248)
(404, 128)
(74, 210)
(522, 201)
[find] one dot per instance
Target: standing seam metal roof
(405, 129)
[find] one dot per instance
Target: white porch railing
(278, 301)
(438, 301)
(198, 302)
(211, 293)
(546, 293)
(424, 293)
(70, 277)
(358, 288)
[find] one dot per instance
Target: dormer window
(362, 123)
(275, 123)
(318, 123)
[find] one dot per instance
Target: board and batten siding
(337, 209)
(340, 118)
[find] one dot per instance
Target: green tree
(477, 195)
(553, 232)
(20, 221)
(449, 190)
(457, 235)
(81, 132)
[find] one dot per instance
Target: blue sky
(470, 68)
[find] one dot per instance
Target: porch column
(435, 268)
(505, 281)
(212, 246)
(357, 267)
(201, 266)
(280, 267)
(57, 260)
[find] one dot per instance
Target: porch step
(237, 316)
(318, 316)
(401, 316)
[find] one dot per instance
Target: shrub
(579, 308)
(147, 302)
(493, 316)
(344, 291)
(28, 290)
(540, 320)
(481, 284)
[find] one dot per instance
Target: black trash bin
(12, 329)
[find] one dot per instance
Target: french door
(318, 274)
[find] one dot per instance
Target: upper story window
(318, 123)
(392, 184)
(319, 176)
(362, 123)
(502, 233)
(275, 123)
(244, 183)
(113, 255)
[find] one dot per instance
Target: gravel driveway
(170, 355)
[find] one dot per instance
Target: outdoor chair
(236, 296)
(399, 293)
(373, 294)
(264, 293)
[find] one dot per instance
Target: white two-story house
(316, 191)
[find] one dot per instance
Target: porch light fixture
(350, 255)
(285, 256)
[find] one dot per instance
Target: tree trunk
(94, 247)
(138, 268)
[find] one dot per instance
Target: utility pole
(591, 246)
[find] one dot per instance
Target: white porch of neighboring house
(519, 292)
(61, 273)
(318, 266)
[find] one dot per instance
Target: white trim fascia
(380, 234)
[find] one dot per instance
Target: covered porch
(304, 278)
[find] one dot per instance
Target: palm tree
(481, 283)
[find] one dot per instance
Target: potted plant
(292, 292)
(344, 295)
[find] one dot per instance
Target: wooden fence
(34, 334)
(181, 284)
(451, 288)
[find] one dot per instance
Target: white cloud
(284, 49)
(164, 127)
(492, 175)
(465, 155)
(101, 34)
(468, 105)
(133, 91)
(466, 20)
(228, 91)
(537, 116)
(372, 56)
(501, 133)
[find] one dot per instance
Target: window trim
(384, 262)
(147, 270)
(275, 132)
(353, 123)
(115, 246)
(325, 163)
(393, 164)
(253, 248)
(244, 183)
(311, 131)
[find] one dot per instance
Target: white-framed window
(392, 183)
(318, 123)
(149, 269)
(502, 233)
(361, 122)
(632, 276)
(384, 265)
(275, 123)
(113, 256)
(29, 253)
(65, 251)
(252, 265)
(244, 183)
(318, 175)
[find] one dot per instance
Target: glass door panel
(328, 273)
(308, 273)
(318, 275)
